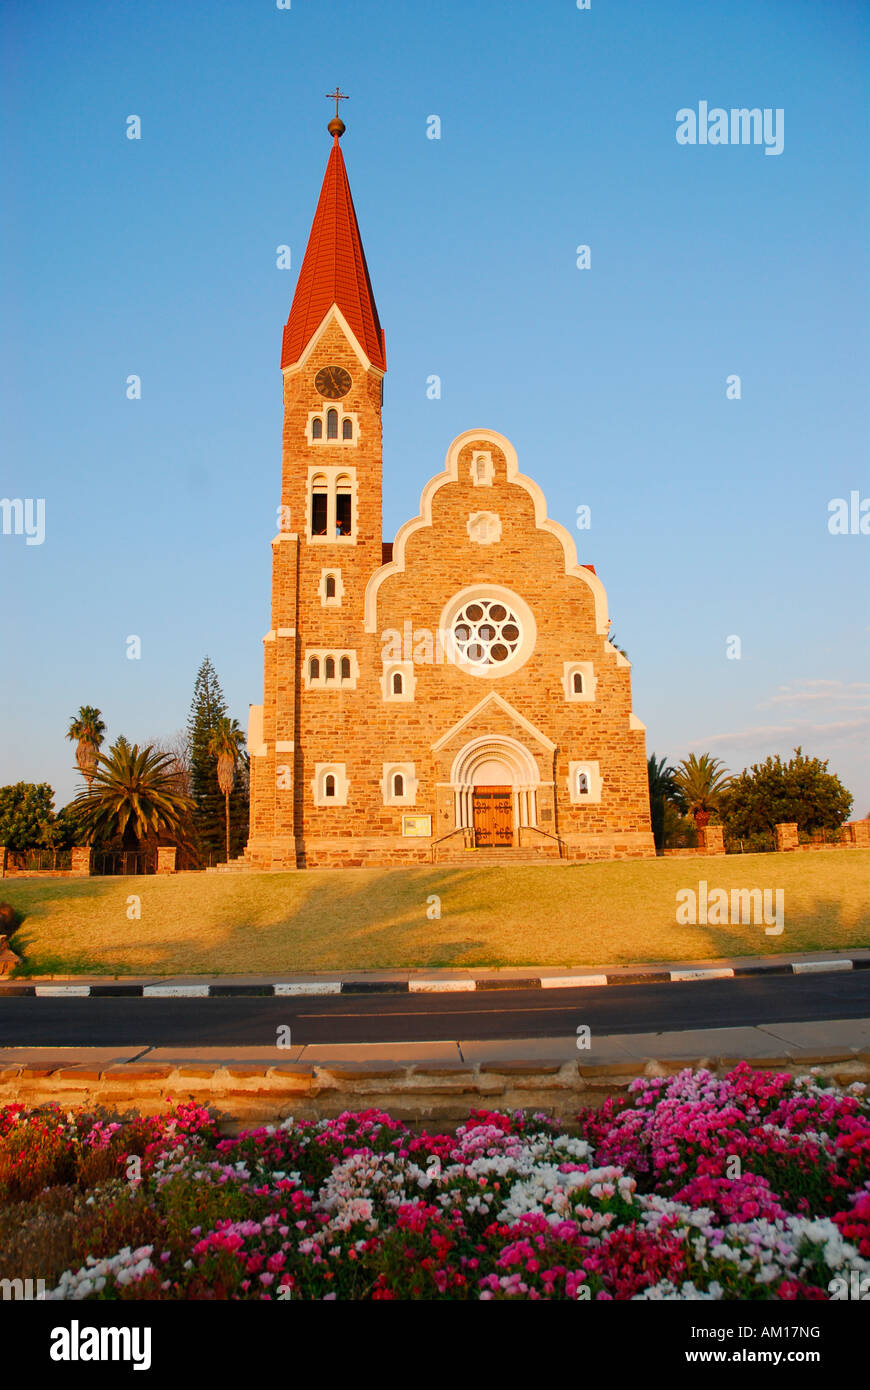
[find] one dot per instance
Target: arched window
(398, 683)
(329, 668)
(398, 784)
(330, 586)
(314, 669)
(342, 505)
(583, 783)
(319, 505)
(577, 683)
(316, 428)
(345, 668)
(347, 429)
(332, 424)
(329, 785)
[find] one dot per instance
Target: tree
(699, 783)
(207, 709)
(131, 794)
(613, 642)
(88, 731)
(225, 745)
(662, 789)
(776, 792)
(26, 815)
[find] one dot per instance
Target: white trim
(331, 472)
(585, 669)
(334, 572)
(318, 782)
(409, 795)
(521, 611)
(484, 528)
(285, 745)
(485, 478)
(332, 313)
(593, 774)
(636, 724)
(542, 523)
(493, 698)
(256, 743)
(339, 441)
(409, 682)
(336, 682)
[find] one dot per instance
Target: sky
(710, 515)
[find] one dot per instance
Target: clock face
(333, 382)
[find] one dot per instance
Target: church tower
(329, 536)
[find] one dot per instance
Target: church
(450, 696)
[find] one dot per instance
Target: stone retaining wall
(436, 1092)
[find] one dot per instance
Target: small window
(398, 784)
(347, 429)
(583, 783)
(332, 424)
(342, 506)
(329, 785)
(330, 586)
(314, 669)
(345, 668)
(329, 669)
(577, 683)
(316, 429)
(398, 683)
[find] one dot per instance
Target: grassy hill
(614, 913)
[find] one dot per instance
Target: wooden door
(493, 816)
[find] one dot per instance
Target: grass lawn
(614, 913)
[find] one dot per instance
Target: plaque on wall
(416, 825)
(546, 814)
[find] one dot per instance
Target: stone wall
(433, 1092)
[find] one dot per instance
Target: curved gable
(542, 522)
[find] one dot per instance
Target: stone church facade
(449, 696)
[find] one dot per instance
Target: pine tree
(207, 708)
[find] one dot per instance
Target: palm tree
(699, 783)
(132, 793)
(225, 742)
(613, 642)
(88, 729)
(662, 788)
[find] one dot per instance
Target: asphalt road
(481, 1015)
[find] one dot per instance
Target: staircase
(239, 865)
(506, 856)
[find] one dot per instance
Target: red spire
(334, 271)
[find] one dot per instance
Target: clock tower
(329, 522)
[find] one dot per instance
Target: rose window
(486, 633)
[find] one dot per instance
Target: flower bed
(755, 1186)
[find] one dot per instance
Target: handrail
(550, 836)
(457, 830)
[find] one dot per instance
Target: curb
(461, 984)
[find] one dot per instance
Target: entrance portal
(493, 816)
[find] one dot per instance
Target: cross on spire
(336, 96)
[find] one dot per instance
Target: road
(216, 1022)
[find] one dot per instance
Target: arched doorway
(495, 781)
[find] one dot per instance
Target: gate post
(80, 861)
(166, 859)
(787, 835)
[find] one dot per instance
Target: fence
(31, 861)
(125, 862)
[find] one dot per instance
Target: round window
(489, 632)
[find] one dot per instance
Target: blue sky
(157, 257)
